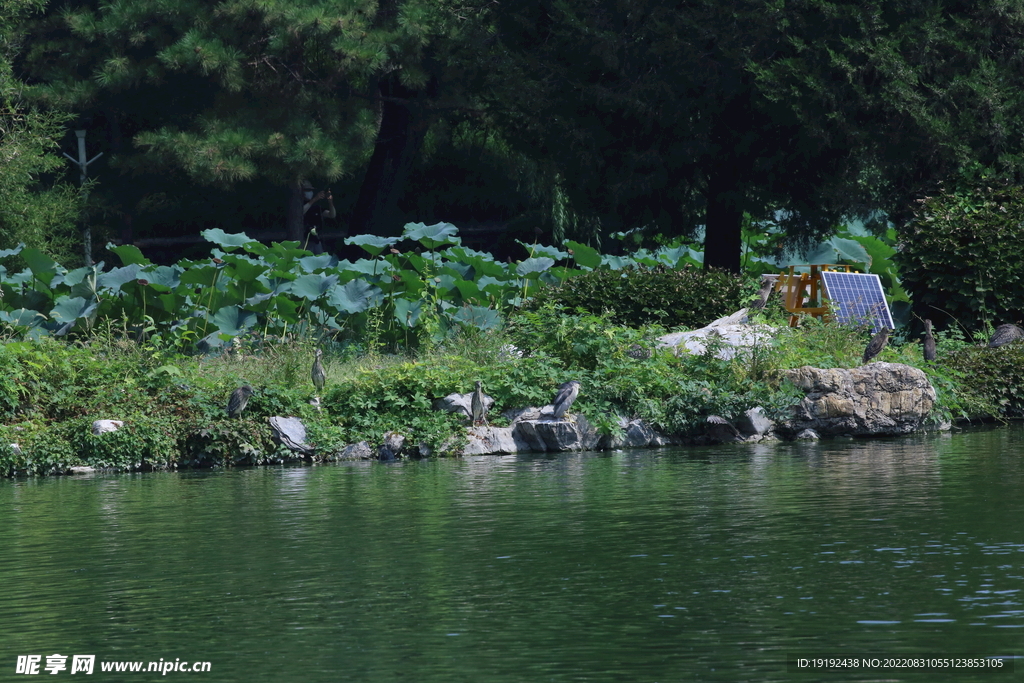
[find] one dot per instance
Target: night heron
(1005, 334)
(638, 352)
(479, 408)
(565, 397)
(239, 399)
(762, 295)
(876, 344)
(385, 454)
(317, 374)
(929, 341)
(721, 425)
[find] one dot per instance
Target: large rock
(461, 404)
(731, 333)
(484, 440)
(105, 426)
(878, 399)
(291, 433)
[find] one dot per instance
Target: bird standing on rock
(479, 408)
(565, 397)
(876, 344)
(239, 399)
(318, 375)
(929, 341)
(1005, 334)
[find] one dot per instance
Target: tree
(232, 90)
(665, 115)
(40, 216)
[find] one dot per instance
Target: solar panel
(858, 299)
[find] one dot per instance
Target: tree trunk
(723, 221)
(293, 216)
(399, 139)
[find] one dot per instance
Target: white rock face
(732, 330)
(104, 426)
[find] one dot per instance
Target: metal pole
(82, 170)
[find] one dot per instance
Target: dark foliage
(644, 296)
(961, 256)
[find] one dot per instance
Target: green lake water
(701, 564)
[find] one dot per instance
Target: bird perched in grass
(929, 341)
(1005, 334)
(876, 344)
(565, 397)
(318, 374)
(479, 408)
(239, 399)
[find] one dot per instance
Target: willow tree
(233, 90)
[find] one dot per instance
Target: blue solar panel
(858, 299)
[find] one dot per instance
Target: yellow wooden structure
(803, 293)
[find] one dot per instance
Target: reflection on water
(666, 565)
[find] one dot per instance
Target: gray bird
(638, 352)
(721, 425)
(929, 341)
(318, 374)
(1005, 334)
(876, 344)
(565, 397)
(385, 454)
(239, 399)
(479, 408)
(762, 295)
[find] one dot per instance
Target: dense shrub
(961, 256)
(639, 296)
(990, 382)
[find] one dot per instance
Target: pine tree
(235, 90)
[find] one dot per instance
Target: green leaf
(534, 265)
(225, 240)
(23, 317)
(129, 254)
(355, 296)
(479, 317)
(373, 243)
(585, 256)
(73, 308)
(408, 312)
(432, 236)
(233, 320)
(42, 266)
(116, 278)
(314, 285)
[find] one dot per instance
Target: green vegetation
(961, 256)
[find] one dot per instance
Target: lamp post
(82, 169)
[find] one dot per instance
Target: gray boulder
(754, 423)
(357, 451)
(291, 433)
(879, 399)
(484, 440)
(461, 404)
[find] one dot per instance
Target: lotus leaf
(233, 320)
(129, 254)
(225, 240)
(407, 312)
(586, 257)
(534, 265)
(372, 243)
(432, 236)
(478, 316)
(354, 296)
